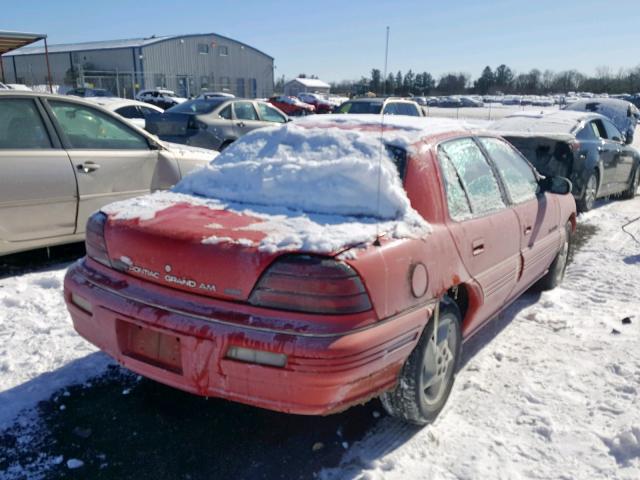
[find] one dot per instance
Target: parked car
(471, 102)
(450, 102)
(291, 105)
(584, 147)
(236, 285)
(624, 115)
(134, 111)
(389, 106)
(213, 123)
(207, 95)
(89, 92)
(160, 97)
(320, 104)
(63, 158)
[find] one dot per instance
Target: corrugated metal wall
(192, 64)
(189, 65)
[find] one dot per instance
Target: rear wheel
(585, 203)
(630, 192)
(555, 275)
(427, 376)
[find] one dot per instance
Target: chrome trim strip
(260, 329)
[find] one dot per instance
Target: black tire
(590, 193)
(555, 275)
(433, 361)
(630, 192)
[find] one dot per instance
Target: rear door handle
(240, 124)
(478, 246)
(527, 230)
(88, 167)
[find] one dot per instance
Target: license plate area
(150, 346)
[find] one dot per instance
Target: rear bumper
(324, 373)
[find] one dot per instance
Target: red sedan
(315, 266)
(291, 105)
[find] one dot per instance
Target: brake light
(575, 146)
(95, 243)
(305, 283)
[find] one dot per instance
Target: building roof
(115, 44)
(13, 40)
(311, 82)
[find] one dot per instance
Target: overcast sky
(345, 39)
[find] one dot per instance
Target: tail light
(94, 239)
(575, 146)
(305, 283)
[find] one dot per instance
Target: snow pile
(36, 337)
(560, 122)
(316, 170)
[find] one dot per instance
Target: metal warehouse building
(187, 64)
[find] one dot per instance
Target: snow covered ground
(554, 395)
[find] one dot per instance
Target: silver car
(61, 159)
(213, 122)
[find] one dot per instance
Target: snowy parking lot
(549, 390)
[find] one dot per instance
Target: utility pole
(386, 56)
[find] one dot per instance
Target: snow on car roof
(562, 122)
(314, 182)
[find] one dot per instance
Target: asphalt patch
(123, 426)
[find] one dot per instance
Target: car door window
(245, 111)
(225, 113)
(89, 128)
(269, 114)
(21, 126)
(612, 131)
(475, 174)
(516, 173)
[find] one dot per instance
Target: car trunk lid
(192, 248)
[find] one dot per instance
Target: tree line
(502, 79)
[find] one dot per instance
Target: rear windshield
(360, 107)
(199, 105)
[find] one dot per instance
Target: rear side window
(587, 133)
(270, 114)
(89, 128)
(130, 111)
(400, 108)
(245, 111)
(457, 199)
(517, 175)
(612, 131)
(21, 126)
(475, 175)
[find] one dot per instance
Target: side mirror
(628, 138)
(557, 185)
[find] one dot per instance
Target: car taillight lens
(305, 283)
(575, 146)
(94, 239)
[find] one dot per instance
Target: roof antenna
(384, 82)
